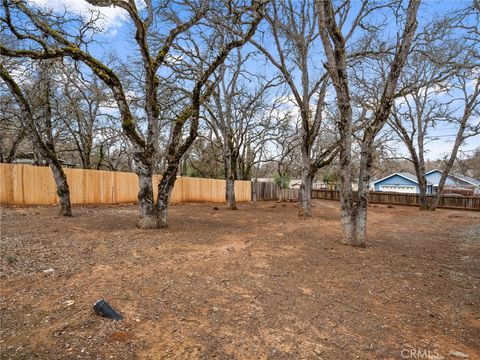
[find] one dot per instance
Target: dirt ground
(257, 283)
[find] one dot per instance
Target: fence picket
(34, 185)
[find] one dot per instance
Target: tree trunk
(347, 215)
(254, 190)
(347, 219)
(165, 189)
(86, 164)
(230, 193)
(360, 232)
(164, 204)
(419, 164)
(100, 158)
(279, 191)
(305, 209)
(422, 184)
(441, 187)
(63, 191)
(361, 207)
(148, 213)
(230, 160)
(13, 149)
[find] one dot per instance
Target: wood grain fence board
(34, 185)
(6, 181)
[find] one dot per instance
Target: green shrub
(283, 182)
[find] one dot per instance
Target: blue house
(402, 183)
(453, 182)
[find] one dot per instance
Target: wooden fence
(34, 185)
(270, 191)
(447, 202)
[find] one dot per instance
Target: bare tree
(466, 129)
(284, 165)
(81, 103)
(204, 159)
(14, 133)
(421, 111)
(354, 215)
(44, 40)
(294, 34)
(44, 144)
(235, 117)
(439, 82)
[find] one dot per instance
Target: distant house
(293, 184)
(401, 183)
(265, 180)
(454, 182)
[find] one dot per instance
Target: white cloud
(111, 19)
(438, 148)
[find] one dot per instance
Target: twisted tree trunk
(148, 212)
(63, 190)
(165, 189)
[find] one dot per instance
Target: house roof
(405, 175)
(462, 177)
(409, 176)
(468, 179)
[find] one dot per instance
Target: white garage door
(399, 188)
